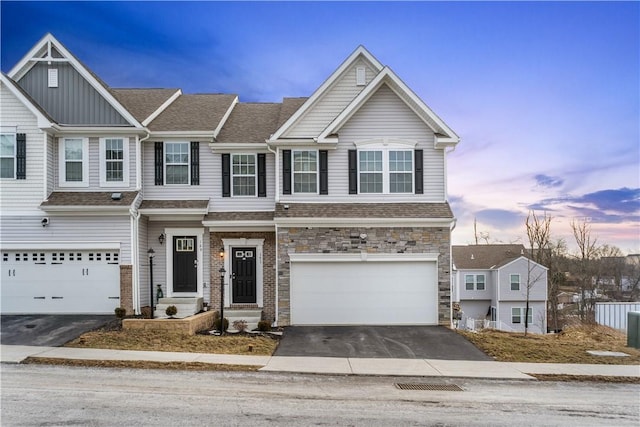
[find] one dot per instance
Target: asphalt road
(47, 395)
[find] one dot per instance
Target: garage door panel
(62, 282)
(363, 293)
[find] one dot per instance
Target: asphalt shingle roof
(363, 210)
(90, 198)
(239, 216)
(200, 112)
(250, 122)
(289, 106)
(141, 103)
(174, 204)
(485, 256)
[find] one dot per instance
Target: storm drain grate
(429, 387)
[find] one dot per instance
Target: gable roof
(42, 117)
(485, 257)
(195, 113)
(143, 103)
(445, 136)
(49, 49)
(355, 55)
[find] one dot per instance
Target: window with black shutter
(353, 172)
(262, 175)
(159, 163)
(418, 171)
(21, 156)
(226, 175)
(324, 172)
(195, 163)
(286, 171)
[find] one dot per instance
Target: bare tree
(611, 271)
(587, 253)
(539, 236)
(555, 277)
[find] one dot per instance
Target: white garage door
(364, 293)
(68, 282)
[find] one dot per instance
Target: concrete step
(186, 307)
(251, 316)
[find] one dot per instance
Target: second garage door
(364, 293)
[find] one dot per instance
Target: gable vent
(361, 76)
(53, 77)
(472, 257)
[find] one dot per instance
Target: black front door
(185, 264)
(244, 275)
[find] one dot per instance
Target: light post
(222, 272)
(151, 253)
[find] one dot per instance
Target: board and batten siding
(74, 101)
(384, 115)
(23, 195)
(94, 166)
(335, 99)
(66, 229)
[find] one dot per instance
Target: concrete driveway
(398, 342)
(47, 330)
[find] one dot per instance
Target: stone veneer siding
(126, 288)
(268, 271)
(386, 240)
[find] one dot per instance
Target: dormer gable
(444, 136)
(63, 87)
(349, 79)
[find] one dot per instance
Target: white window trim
(229, 244)
(15, 152)
(62, 163)
(386, 145)
(255, 175)
(293, 172)
(165, 164)
(521, 311)
(519, 282)
(475, 281)
(125, 163)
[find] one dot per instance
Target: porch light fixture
(221, 253)
(161, 238)
(151, 254)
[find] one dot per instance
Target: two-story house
(330, 209)
(491, 286)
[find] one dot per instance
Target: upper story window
(514, 279)
(114, 159)
(74, 162)
(7, 155)
(474, 282)
(243, 173)
(305, 171)
(385, 166)
(177, 163)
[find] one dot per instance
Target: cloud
(500, 218)
(548, 181)
(608, 206)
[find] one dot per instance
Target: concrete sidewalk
(332, 365)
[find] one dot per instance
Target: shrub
(216, 323)
(171, 311)
(264, 326)
(120, 312)
(240, 325)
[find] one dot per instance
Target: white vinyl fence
(614, 314)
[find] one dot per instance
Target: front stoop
(186, 307)
(251, 316)
(187, 326)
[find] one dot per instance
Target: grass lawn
(569, 346)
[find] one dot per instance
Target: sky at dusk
(544, 95)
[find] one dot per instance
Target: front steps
(186, 307)
(252, 316)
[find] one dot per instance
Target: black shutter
(159, 163)
(21, 156)
(324, 172)
(262, 175)
(226, 175)
(353, 172)
(195, 163)
(418, 161)
(286, 171)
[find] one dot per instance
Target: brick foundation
(126, 288)
(386, 240)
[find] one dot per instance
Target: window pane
(304, 183)
(400, 183)
(468, 282)
(305, 168)
(177, 174)
(73, 149)
(114, 171)
(244, 186)
(6, 167)
(243, 170)
(515, 282)
(73, 172)
(7, 145)
(114, 149)
(400, 161)
(370, 161)
(515, 315)
(371, 182)
(480, 282)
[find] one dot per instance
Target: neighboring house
(490, 284)
(330, 209)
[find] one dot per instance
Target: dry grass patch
(140, 364)
(586, 378)
(163, 341)
(569, 346)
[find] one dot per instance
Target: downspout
(46, 167)
(277, 174)
(139, 159)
